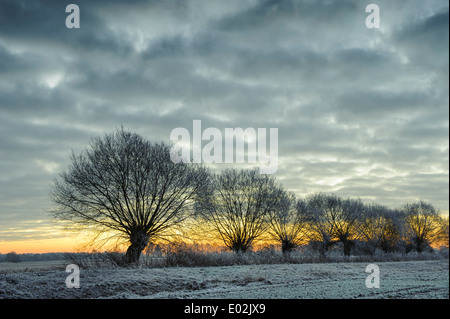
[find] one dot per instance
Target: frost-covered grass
(190, 256)
(7, 267)
(402, 279)
(189, 272)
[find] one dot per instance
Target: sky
(361, 112)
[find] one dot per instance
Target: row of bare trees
(125, 185)
(324, 220)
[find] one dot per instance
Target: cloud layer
(360, 112)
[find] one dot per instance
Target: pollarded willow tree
(288, 222)
(332, 219)
(380, 227)
(238, 205)
(127, 185)
(319, 215)
(423, 225)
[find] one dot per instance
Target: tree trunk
(347, 248)
(348, 245)
(287, 246)
(239, 247)
(139, 240)
(419, 244)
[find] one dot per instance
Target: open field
(32, 266)
(402, 279)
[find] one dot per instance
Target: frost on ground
(404, 279)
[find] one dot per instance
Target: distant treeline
(13, 257)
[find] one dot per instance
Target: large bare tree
(332, 219)
(238, 204)
(125, 184)
(423, 224)
(319, 216)
(288, 222)
(380, 227)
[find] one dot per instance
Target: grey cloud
(426, 40)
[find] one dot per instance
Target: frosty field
(402, 279)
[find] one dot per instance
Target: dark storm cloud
(360, 112)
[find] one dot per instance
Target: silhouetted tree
(238, 204)
(125, 184)
(320, 224)
(13, 257)
(332, 219)
(380, 227)
(443, 232)
(422, 224)
(288, 222)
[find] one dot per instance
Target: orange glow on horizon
(39, 246)
(72, 243)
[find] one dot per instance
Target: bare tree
(346, 220)
(288, 222)
(443, 232)
(380, 227)
(422, 224)
(127, 185)
(332, 219)
(238, 204)
(13, 257)
(320, 207)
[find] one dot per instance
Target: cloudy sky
(360, 112)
